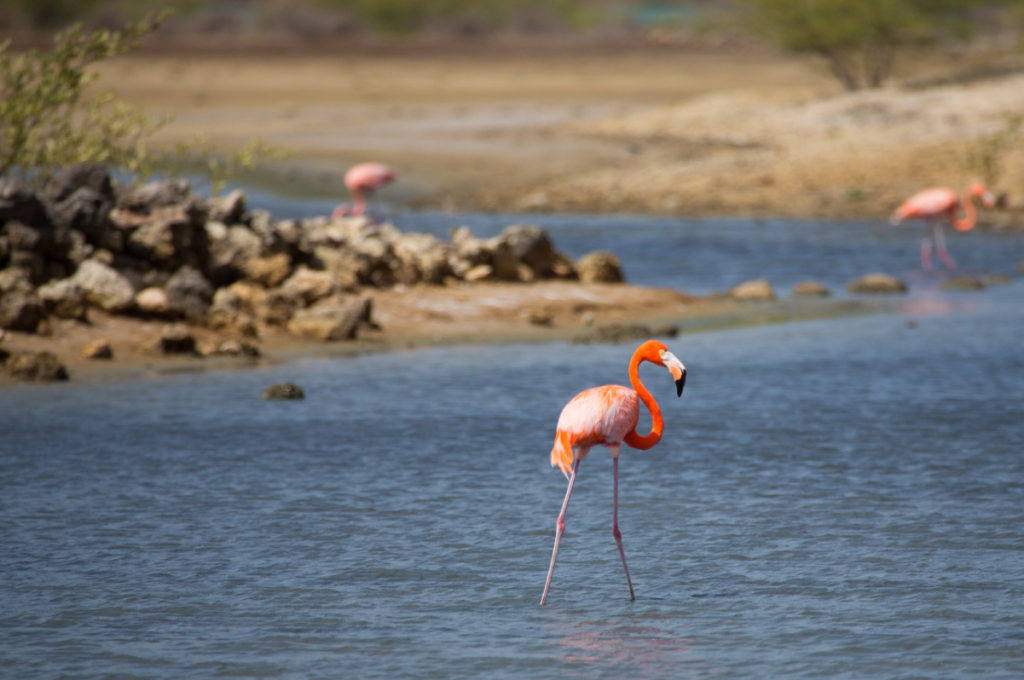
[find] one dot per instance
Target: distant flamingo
(608, 416)
(931, 205)
(362, 181)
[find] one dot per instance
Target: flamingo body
(608, 416)
(362, 181)
(932, 205)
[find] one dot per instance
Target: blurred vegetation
(859, 39)
(987, 153)
(50, 120)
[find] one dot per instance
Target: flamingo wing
(600, 415)
(369, 176)
(927, 204)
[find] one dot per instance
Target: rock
(876, 284)
(171, 239)
(481, 272)
(966, 283)
(189, 294)
(41, 366)
(531, 246)
(173, 339)
(239, 348)
(88, 212)
(104, 286)
(230, 312)
(758, 290)
(425, 255)
(228, 209)
(277, 306)
(153, 301)
(599, 267)
(997, 279)
(329, 322)
(64, 298)
(665, 331)
(269, 271)
(20, 307)
(310, 285)
(19, 204)
(93, 176)
(810, 289)
(349, 268)
(153, 195)
(98, 349)
(540, 317)
(283, 391)
(231, 251)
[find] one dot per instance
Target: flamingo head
(981, 191)
(658, 354)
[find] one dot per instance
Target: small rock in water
(810, 289)
(758, 290)
(876, 284)
(43, 366)
(968, 283)
(98, 349)
(997, 279)
(283, 391)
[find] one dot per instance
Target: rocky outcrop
(159, 251)
(97, 349)
(876, 284)
(758, 290)
(965, 283)
(338, 321)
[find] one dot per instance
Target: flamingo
(362, 181)
(931, 205)
(608, 416)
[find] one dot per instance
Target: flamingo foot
(926, 254)
(947, 260)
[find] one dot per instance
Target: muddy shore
(434, 317)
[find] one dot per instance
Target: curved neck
(970, 215)
(657, 424)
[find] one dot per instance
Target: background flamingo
(931, 205)
(608, 416)
(362, 181)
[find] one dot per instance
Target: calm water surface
(839, 498)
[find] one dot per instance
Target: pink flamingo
(607, 416)
(362, 181)
(931, 205)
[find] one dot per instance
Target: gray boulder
(231, 250)
(20, 307)
(189, 294)
(228, 209)
(92, 176)
(283, 391)
(104, 286)
(154, 195)
(20, 204)
(88, 211)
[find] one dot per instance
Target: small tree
(858, 39)
(48, 120)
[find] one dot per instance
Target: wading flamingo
(608, 416)
(932, 205)
(362, 181)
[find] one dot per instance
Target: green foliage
(48, 120)
(859, 39)
(987, 152)
(408, 16)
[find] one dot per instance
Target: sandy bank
(431, 316)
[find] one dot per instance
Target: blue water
(840, 498)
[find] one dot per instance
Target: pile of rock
(160, 251)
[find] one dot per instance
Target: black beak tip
(679, 384)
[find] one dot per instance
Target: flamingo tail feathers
(561, 454)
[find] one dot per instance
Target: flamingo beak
(676, 368)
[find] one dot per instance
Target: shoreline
(506, 324)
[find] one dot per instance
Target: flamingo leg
(615, 522)
(561, 529)
(940, 247)
(926, 253)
